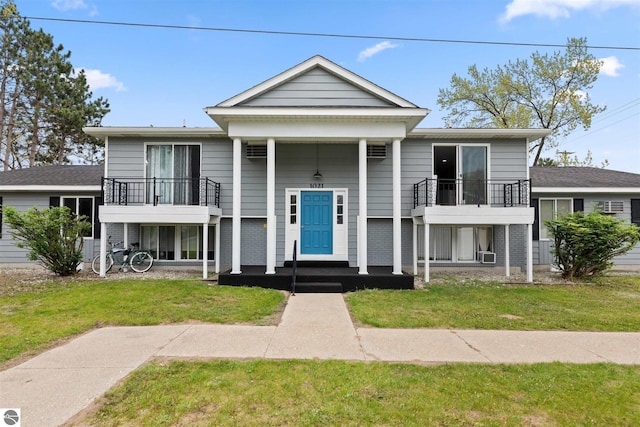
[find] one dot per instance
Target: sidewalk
(52, 387)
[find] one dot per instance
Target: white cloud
(610, 66)
(370, 51)
(99, 80)
(554, 9)
(69, 4)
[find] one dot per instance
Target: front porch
(319, 278)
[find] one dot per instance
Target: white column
(507, 262)
(103, 249)
(397, 212)
(236, 206)
(271, 206)
(362, 188)
(426, 251)
(125, 235)
(414, 229)
(529, 253)
(216, 268)
(205, 249)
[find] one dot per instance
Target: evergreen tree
(45, 102)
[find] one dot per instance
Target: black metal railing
(294, 267)
(160, 191)
(454, 192)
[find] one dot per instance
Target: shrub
(53, 236)
(585, 245)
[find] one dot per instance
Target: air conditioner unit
(487, 257)
(256, 151)
(376, 151)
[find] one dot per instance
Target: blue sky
(165, 77)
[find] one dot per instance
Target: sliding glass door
(173, 173)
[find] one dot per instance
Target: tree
(53, 236)
(550, 92)
(45, 102)
(585, 245)
(563, 158)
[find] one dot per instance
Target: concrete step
(319, 287)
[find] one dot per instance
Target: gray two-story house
(322, 160)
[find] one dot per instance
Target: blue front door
(316, 223)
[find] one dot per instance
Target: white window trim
(93, 211)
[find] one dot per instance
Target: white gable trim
(317, 61)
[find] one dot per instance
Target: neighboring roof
(64, 177)
(583, 179)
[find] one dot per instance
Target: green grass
(337, 393)
(611, 304)
(31, 320)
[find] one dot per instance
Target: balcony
(160, 191)
(469, 192)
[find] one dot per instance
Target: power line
(305, 34)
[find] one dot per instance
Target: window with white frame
(83, 207)
(183, 242)
(551, 209)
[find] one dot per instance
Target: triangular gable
(317, 82)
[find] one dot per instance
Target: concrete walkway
(52, 387)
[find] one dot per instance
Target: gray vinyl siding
(508, 160)
(416, 155)
(316, 88)
(9, 252)
(380, 185)
(125, 158)
(542, 248)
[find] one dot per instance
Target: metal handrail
(294, 267)
(158, 191)
(454, 192)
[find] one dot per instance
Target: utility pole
(564, 157)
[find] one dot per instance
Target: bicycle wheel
(141, 262)
(95, 264)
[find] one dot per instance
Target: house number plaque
(316, 185)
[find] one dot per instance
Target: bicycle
(134, 258)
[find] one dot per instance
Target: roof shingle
(582, 176)
(63, 175)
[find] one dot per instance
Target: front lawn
(337, 393)
(33, 319)
(610, 304)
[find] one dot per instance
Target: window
(82, 206)
(551, 209)
(609, 206)
(340, 209)
(458, 244)
(168, 242)
(635, 211)
(294, 209)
